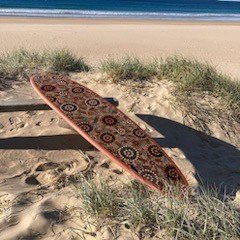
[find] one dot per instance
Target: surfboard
(109, 130)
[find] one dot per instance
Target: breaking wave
(62, 13)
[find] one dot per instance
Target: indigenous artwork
(109, 130)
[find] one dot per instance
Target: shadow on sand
(217, 163)
(56, 142)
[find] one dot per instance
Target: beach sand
(40, 153)
(217, 43)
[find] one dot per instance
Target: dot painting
(117, 134)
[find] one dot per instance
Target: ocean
(199, 10)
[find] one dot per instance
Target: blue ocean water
(215, 10)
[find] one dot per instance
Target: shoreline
(127, 21)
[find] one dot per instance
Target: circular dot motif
(149, 175)
(155, 151)
(172, 173)
(85, 127)
(69, 107)
(47, 88)
(128, 153)
(107, 137)
(109, 120)
(78, 90)
(93, 102)
(138, 132)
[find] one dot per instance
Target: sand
(217, 43)
(40, 153)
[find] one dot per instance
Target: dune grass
(129, 68)
(192, 76)
(22, 63)
(99, 202)
(188, 75)
(64, 60)
(202, 216)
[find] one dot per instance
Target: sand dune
(40, 154)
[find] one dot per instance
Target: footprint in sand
(16, 123)
(44, 122)
(11, 120)
(47, 166)
(31, 180)
(20, 125)
(55, 175)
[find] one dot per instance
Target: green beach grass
(22, 63)
(128, 68)
(188, 75)
(202, 216)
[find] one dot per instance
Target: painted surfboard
(109, 130)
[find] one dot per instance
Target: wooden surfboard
(109, 130)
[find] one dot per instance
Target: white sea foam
(116, 14)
